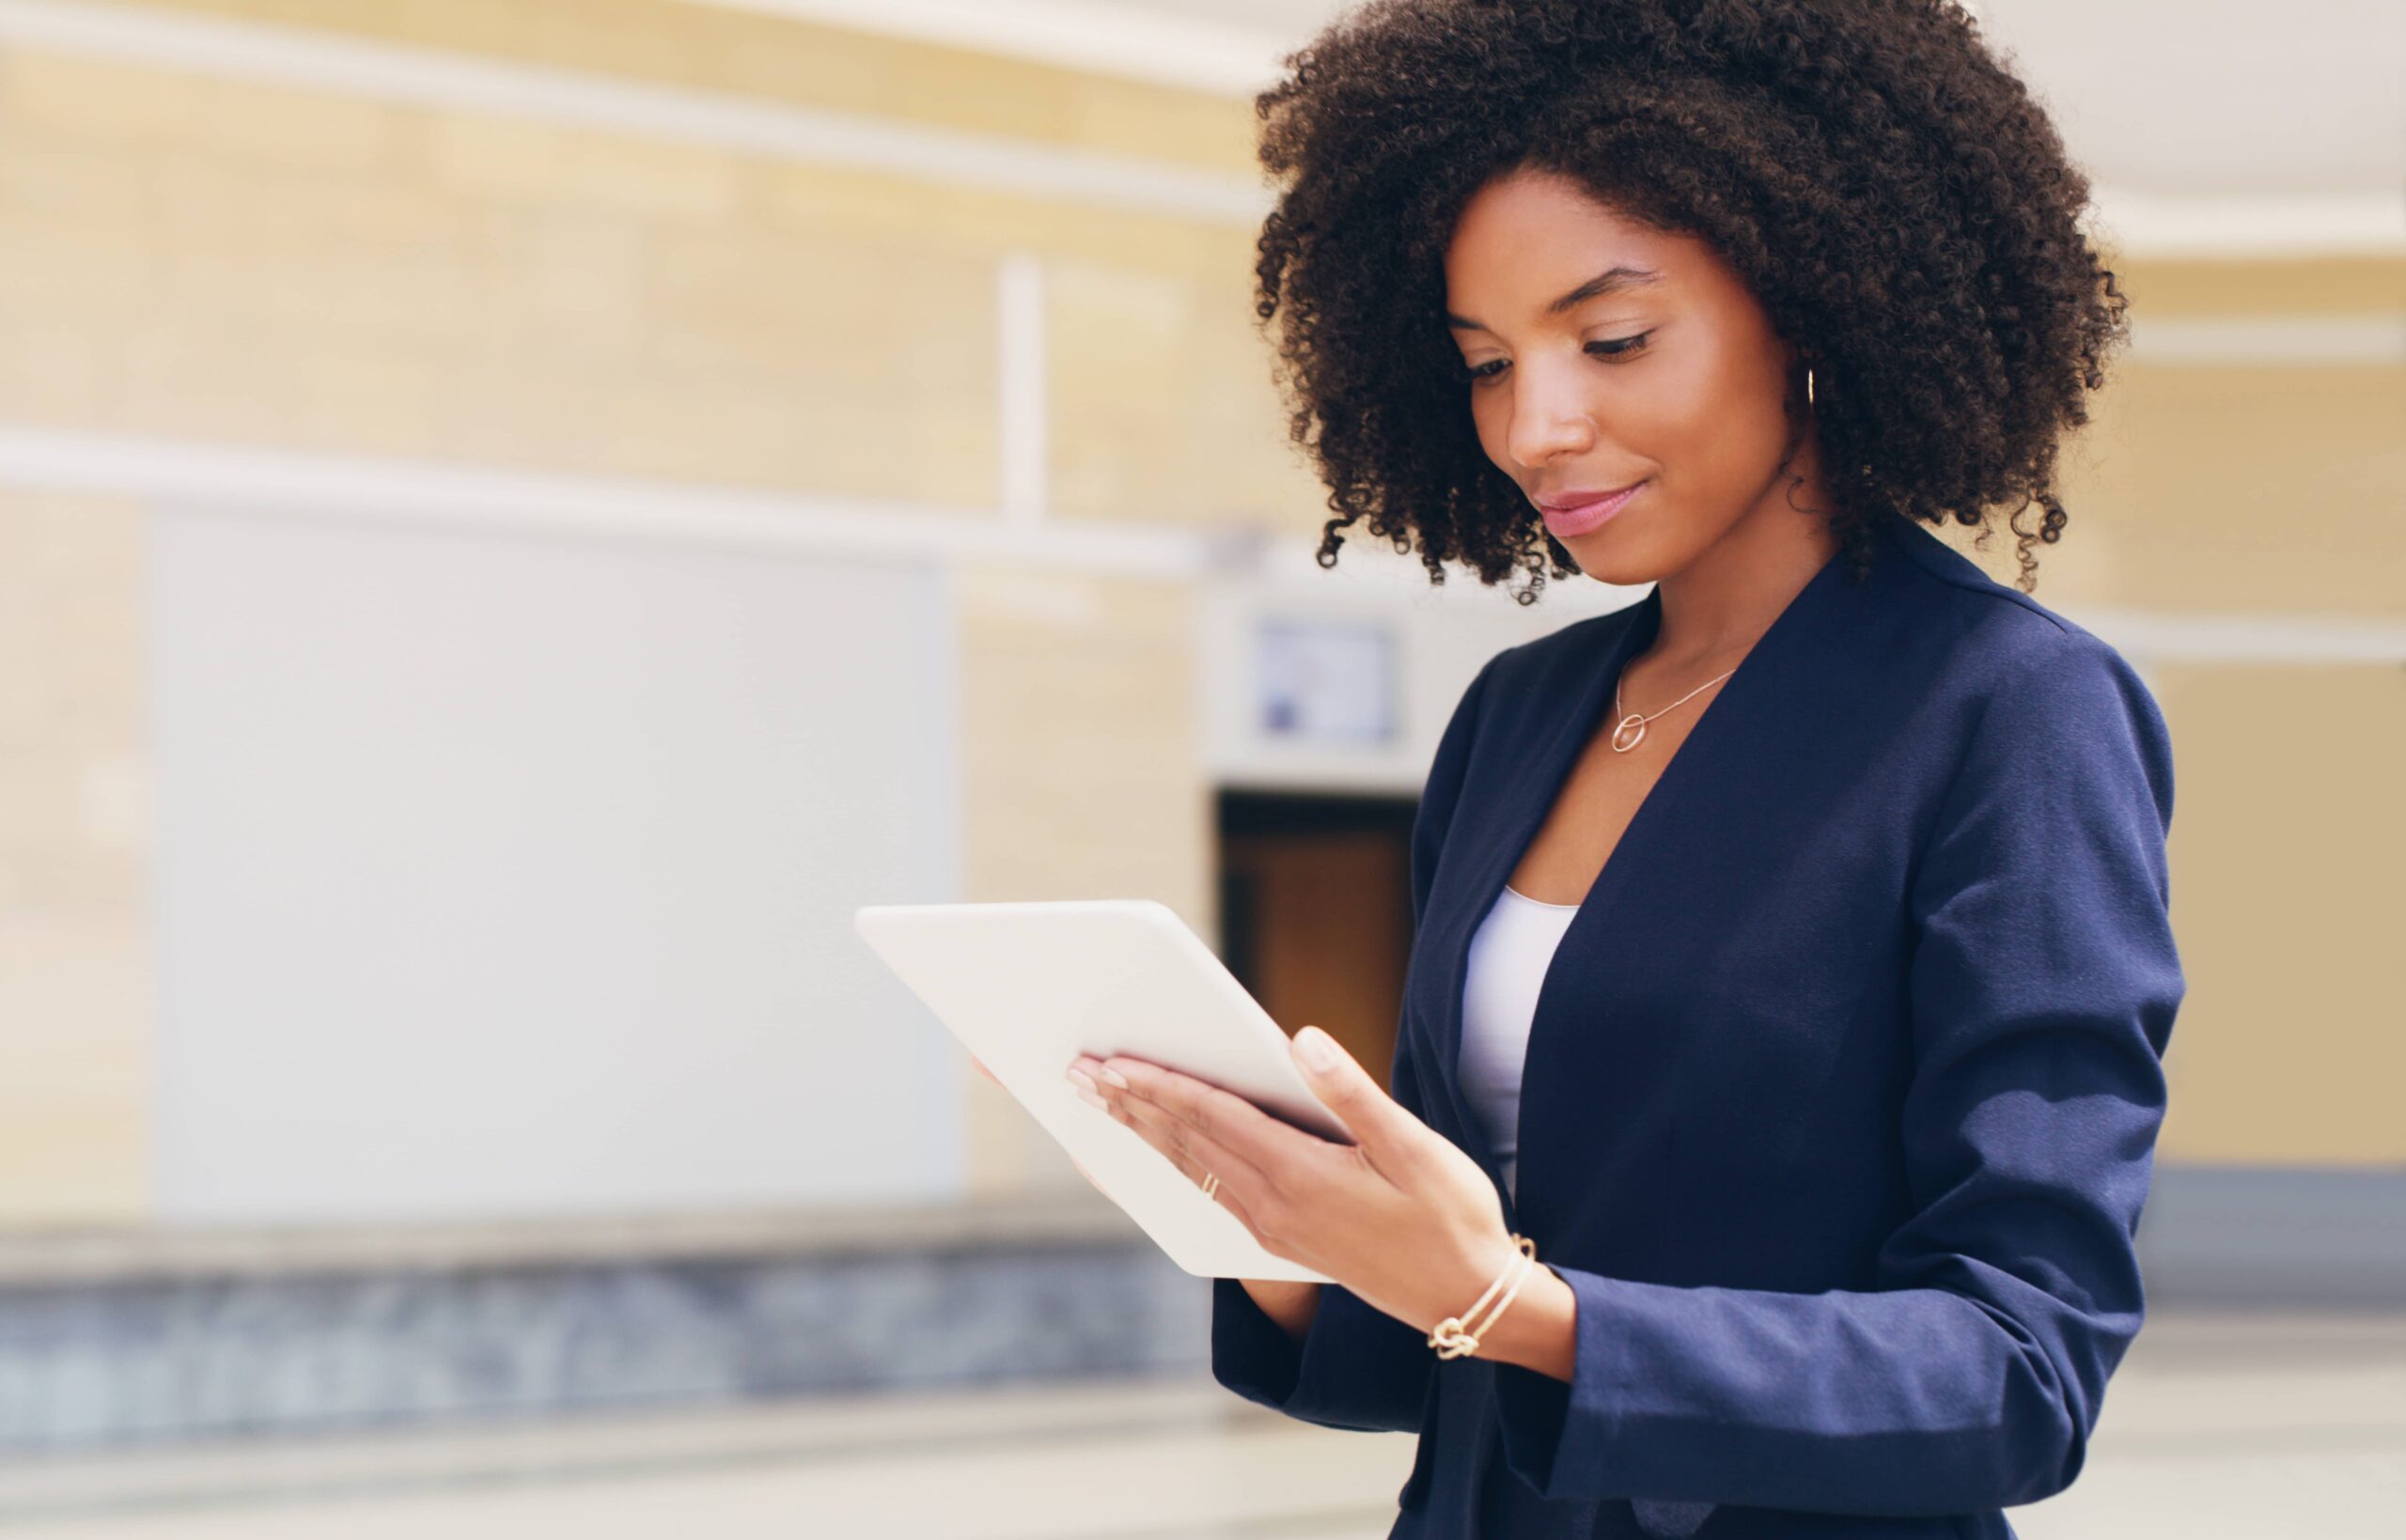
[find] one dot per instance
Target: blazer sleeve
(2043, 981)
(1357, 1368)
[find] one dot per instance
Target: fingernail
(1318, 1047)
(1114, 1077)
(1082, 1081)
(1093, 1100)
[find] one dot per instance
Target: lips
(1578, 497)
(1579, 512)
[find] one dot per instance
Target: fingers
(1226, 1119)
(1240, 1188)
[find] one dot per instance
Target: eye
(1619, 347)
(1608, 348)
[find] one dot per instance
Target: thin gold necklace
(1633, 726)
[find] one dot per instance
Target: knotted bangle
(1450, 1340)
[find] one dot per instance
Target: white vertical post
(1023, 388)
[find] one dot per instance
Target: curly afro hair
(1897, 202)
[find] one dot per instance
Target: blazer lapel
(1502, 829)
(1518, 771)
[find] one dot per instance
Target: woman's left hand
(1403, 1218)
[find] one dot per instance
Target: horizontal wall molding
(2138, 223)
(2376, 339)
(2237, 228)
(380, 489)
(377, 488)
(344, 487)
(2244, 638)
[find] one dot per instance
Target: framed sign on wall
(1330, 681)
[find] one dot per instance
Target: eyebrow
(1607, 282)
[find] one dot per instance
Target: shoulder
(1995, 638)
(2038, 692)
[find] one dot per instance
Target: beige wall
(75, 957)
(205, 257)
(2287, 843)
(1082, 763)
(195, 258)
(2257, 489)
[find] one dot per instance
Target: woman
(1792, 968)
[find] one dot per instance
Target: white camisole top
(1506, 965)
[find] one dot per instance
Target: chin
(1608, 559)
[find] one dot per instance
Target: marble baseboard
(2289, 1237)
(186, 1352)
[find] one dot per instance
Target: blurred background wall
(516, 517)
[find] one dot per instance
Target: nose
(1550, 416)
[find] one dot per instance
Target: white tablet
(1028, 987)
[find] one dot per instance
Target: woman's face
(1607, 354)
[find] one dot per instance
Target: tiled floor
(2217, 1427)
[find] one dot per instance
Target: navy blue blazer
(1842, 1091)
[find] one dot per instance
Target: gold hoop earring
(1808, 385)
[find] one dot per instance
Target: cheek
(1715, 428)
(1679, 416)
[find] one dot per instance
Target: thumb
(1347, 1089)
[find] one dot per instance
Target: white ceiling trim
(1100, 36)
(2139, 224)
(1091, 36)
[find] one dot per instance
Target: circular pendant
(1628, 733)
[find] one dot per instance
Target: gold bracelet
(1450, 1340)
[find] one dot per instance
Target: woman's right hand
(1291, 1304)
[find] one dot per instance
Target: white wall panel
(507, 875)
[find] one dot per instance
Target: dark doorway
(1316, 912)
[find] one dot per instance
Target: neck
(1719, 604)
